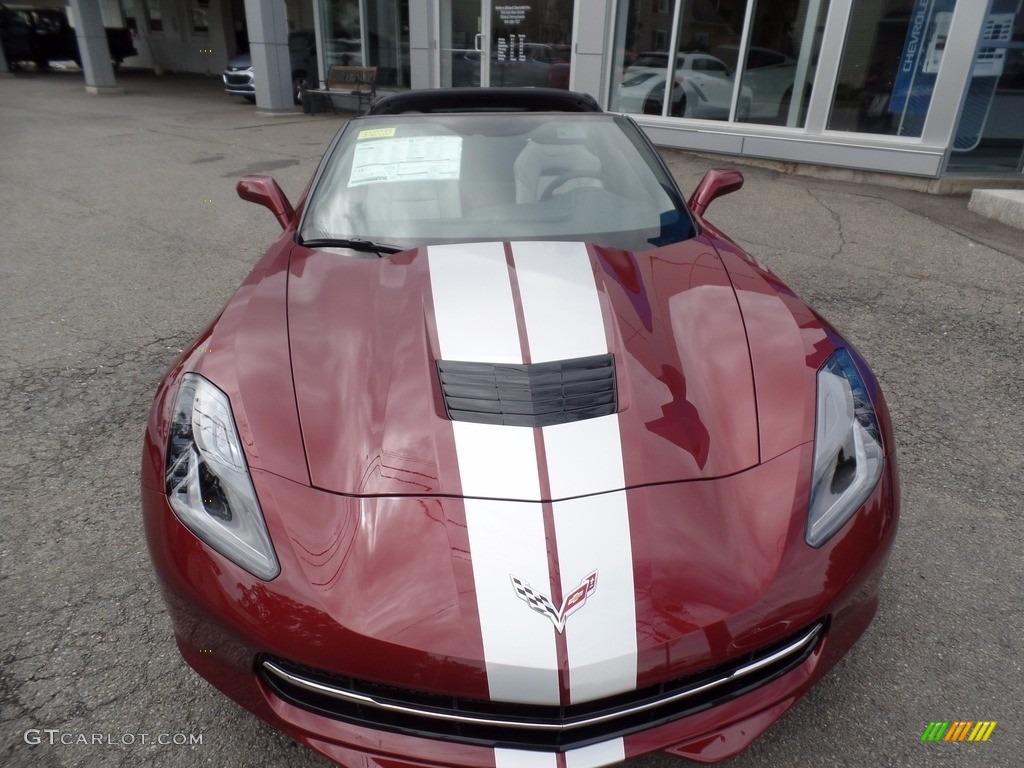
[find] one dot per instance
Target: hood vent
(533, 395)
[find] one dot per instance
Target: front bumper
(227, 623)
(239, 82)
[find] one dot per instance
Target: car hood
(242, 61)
(366, 337)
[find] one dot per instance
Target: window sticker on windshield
(376, 133)
(433, 158)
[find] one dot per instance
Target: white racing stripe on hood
(584, 457)
(560, 301)
(496, 462)
(600, 638)
(507, 537)
(476, 321)
(563, 318)
(473, 309)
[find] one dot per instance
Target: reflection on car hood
(366, 336)
(242, 61)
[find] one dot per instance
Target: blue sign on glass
(923, 47)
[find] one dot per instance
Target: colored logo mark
(959, 730)
(542, 604)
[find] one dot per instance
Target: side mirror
(263, 190)
(716, 182)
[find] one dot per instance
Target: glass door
(531, 43)
(465, 54)
(500, 43)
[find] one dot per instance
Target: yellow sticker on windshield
(376, 133)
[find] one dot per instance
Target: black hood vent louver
(532, 395)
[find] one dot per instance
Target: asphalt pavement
(122, 236)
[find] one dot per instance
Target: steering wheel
(564, 178)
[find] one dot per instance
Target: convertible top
(485, 100)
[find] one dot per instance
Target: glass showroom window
(700, 80)
(891, 57)
(990, 134)
(695, 82)
(531, 43)
(385, 26)
(778, 74)
(387, 39)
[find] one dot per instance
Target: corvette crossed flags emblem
(542, 603)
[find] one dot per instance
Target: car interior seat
(543, 161)
(421, 199)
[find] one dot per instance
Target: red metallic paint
(364, 370)
(338, 554)
(715, 183)
(678, 338)
(788, 343)
(382, 588)
(244, 351)
(264, 190)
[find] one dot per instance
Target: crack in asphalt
(836, 219)
(893, 198)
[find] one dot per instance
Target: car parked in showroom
(504, 455)
(771, 77)
(41, 35)
(240, 80)
(702, 87)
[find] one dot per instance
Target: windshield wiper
(355, 244)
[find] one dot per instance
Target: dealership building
(926, 88)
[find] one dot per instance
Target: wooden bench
(358, 82)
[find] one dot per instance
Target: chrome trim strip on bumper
(795, 648)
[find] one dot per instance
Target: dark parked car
(239, 79)
(42, 35)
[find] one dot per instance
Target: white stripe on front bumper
(521, 758)
(594, 756)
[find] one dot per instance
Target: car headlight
(848, 451)
(208, 483)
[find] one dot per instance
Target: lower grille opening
(553, 728)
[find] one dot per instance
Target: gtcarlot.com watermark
(55, 737)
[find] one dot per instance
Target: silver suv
(239, 79)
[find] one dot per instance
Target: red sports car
(503, 456)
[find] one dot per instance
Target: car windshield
(421, 179)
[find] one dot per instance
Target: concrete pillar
(92, 45)
(268, 45)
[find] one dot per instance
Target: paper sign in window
(409, 158)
